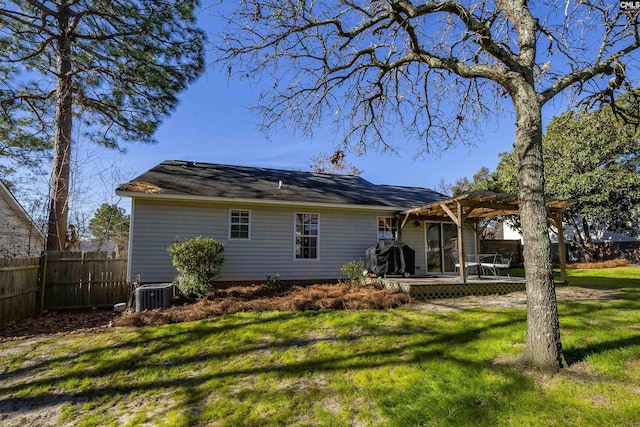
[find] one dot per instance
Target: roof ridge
(197, 163)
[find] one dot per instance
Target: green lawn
(403, 367)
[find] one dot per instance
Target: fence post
(42, 277)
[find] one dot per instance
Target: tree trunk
(543, 347)
(590, 250)
(59, 186)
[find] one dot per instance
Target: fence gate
(18, 288)
(84, 279)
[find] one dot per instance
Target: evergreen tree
(108, 223)
(592, 157)
(113, 68)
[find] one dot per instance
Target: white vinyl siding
(239, 224)
(344, 236)
(413, 235)
(18, 238)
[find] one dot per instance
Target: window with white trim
(306, 235)
(239, 224)
(387, 227)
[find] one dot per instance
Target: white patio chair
(495, 262)
(471, 262)
(503, 262)
(488, 263)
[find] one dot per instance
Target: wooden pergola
(470, 207)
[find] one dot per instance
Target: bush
(352, 272)
(275, 282)
(198, 262)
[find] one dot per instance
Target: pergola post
(461, 253)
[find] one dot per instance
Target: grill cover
(391, 257)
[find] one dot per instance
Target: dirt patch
(58, 323)
(264, 298)
(514, 299)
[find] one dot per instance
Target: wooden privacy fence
(84, 279)
(18, 288)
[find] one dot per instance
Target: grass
(400, 367)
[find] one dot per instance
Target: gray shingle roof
(174, 177)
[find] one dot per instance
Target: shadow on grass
(579, 354)
(261, 360)
(144, 338)
(117, 375)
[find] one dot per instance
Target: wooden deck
(450, 286)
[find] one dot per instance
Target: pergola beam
(490, 205)
(453, 217)
(404, 221)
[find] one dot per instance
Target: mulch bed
(596, 265)
(264, 298)
(222, 301)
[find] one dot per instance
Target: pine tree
(110, 68)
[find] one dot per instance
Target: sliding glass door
(434, 248)
(440, 240)
(449, 243)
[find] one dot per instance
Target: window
(387, 227)
(239, 223)
(306, 235)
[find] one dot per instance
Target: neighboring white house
(19, 237)
(302, 225)
(511, 233)
(111, 248)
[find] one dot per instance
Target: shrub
(352, 272)
(198, 262)
(275, 282)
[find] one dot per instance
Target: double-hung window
(387, 227)
(239, 224)
(306, 233)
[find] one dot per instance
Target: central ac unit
(149, 297)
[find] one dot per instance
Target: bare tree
(435, 70)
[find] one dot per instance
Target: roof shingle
(175, 177)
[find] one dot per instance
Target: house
(599, 235)
(110, 248)
(302, 225)
(19, 236)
